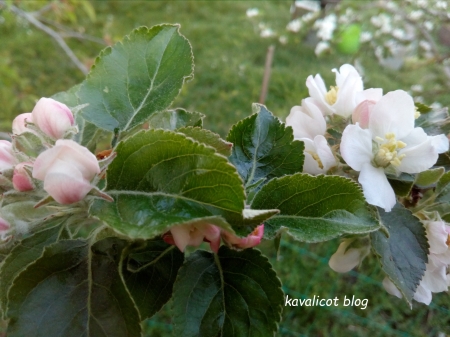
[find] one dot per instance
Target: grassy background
(229, 64)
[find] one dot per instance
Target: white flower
(365, 37)
(309, 126)
(416, 15)
(309, 5)
(326, 27)
(348, 256)
(390, 144)
(294, 25)
(321, 47)
(252, 12)
(267, 32)
(340, 99)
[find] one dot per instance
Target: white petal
(346, 71)
(390, 287)
(418, 158)
(415, 137)
(356, 146)
(437, 237)
(307, 120)
(376, 187)
(394, 112)
(317, 90)
(324, 152)
(372, 94)
(345, 259)
(346, 97)
(310, 165)
(440, 143)
(423, 295)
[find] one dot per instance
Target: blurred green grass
(229, 65)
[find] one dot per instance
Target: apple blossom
(66, 169)
(340, 99)
(21, 179)
(251, 240)
(390, 144)
(349, 254)
(52, 117)
(7, 159)
(310, 126)
(194, 235)
(19, 126)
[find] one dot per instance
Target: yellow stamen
(387, 151)
(416, 113)
(316, 158)
(331, 96)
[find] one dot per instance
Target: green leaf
(150, 272)
(160, 179)
(73, 290)
(230, 294)
(429, 177)
(264, 148)
(209, 138)
(422, 108)
(174, 119)
(24, 253)
(443, 189)
(435, 122)
(137, 77)
(404, 253)
(29, 144)
(401, 184)
(314, 209)
(68, 97)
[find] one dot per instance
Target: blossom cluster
(378, 140)
(59, 169)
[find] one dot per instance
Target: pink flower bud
(7, 159)
(361, 113)
(193, 235)
(19, 126)
(21, 180)
(52, 117)
(66, 169)
(4, 229)
(252, 240)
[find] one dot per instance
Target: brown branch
(267, 70)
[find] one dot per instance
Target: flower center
(316, 158)
(331, 96)
(387, 151)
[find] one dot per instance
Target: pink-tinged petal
(423, 294)
(196, 237)
(21, 180)
(18, 125)
(418, 158)
(344, 260)
(435, 278)
(440, 143)
(4, 225)
(251, 240)
(390, 287)
(52, 117)
(66, 184)
(181, 236)
(356, 146)
(7, 159)
(393, 113)
(324, 152)
(361, 114)
(437, 237)
(212, 235)
(45, 161)
(376, 187)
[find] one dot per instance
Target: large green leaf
(263, 148)
(24, 253)
(404, 253)
(136, 78)
(174, 119)
(231, 294)
(162, 178)
(150, 272)
(314, 209)
(74, 289)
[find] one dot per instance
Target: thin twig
(267, 70)
(35, 22)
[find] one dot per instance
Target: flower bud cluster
(55, 167)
